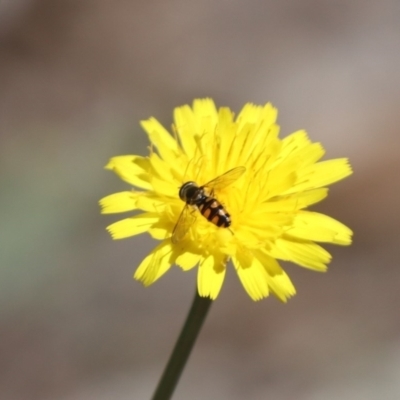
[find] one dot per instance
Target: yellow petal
(319, 227)
(162, 228)
(160, 167)
(155, 265)
(310, 197)
(307, 254)
(281, 286)
(225, 135)
(206, 115)
(187, 260)
(186, 128)
(295, 140)
(166, 145)
(205, 107)
(253, 114)
(321, 174)
(209, 281)
(270, 264)
(252, 275)
(290, 203)
(190, 124)
(263, 276)
(279, 181)
(299, 147)
(168, 188)
(131, 169)
(119, 202)
(133, 225)
(151, 201)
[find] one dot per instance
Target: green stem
(183, 347)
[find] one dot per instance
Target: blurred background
(75, 79)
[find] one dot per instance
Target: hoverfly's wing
(185, 221)
(226, 179)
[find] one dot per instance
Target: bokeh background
(75, 78)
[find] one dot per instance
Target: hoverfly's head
(188, 192)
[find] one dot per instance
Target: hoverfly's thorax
(190, 193)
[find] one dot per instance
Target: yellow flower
(277, 180)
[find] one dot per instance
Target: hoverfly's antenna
(186, 170)
(196, 166)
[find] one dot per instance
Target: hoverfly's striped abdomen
(214, 211)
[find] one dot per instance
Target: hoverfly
(202, 198)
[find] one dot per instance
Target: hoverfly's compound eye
(187, 192)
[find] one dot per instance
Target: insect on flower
(202, 198)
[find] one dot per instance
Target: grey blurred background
(75, 79)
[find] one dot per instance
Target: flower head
(265, 200)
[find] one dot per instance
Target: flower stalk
(183, 347)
